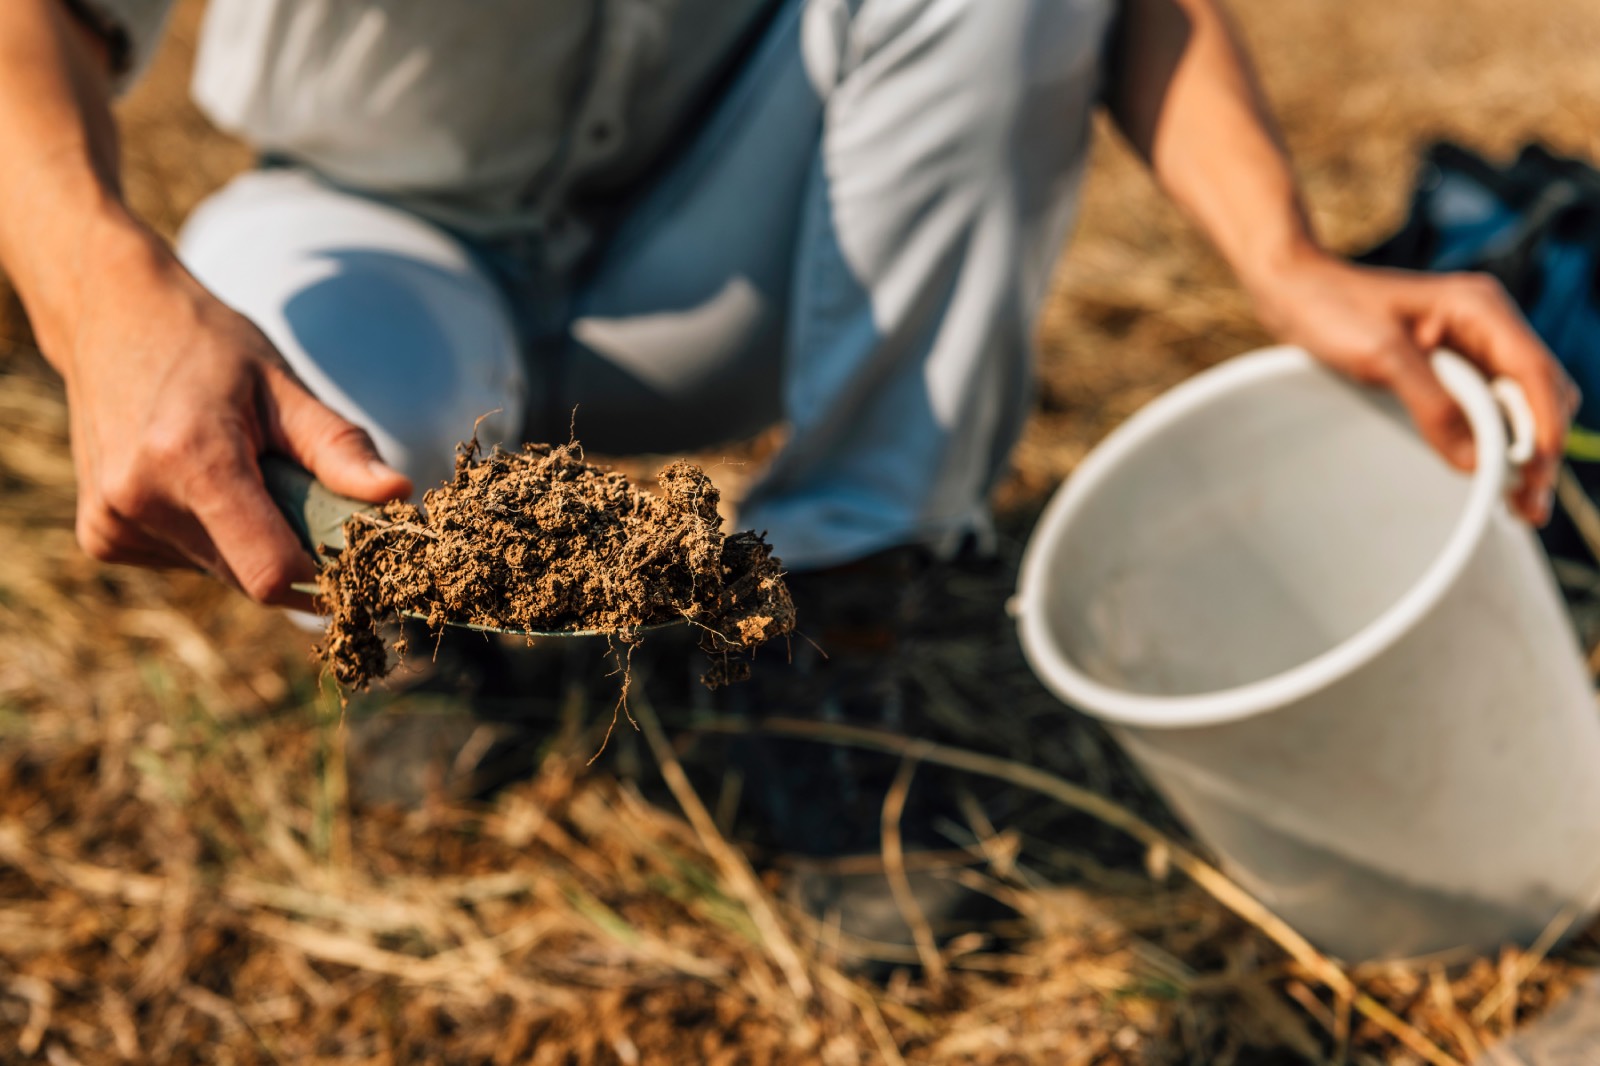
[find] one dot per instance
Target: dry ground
(183, 879)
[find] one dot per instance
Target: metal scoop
(317, 515)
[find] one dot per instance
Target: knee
(1002, 54)
(416, 353)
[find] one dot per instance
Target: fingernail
(1547, 505)
(1464, 453)
(380, 469)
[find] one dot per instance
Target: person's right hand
(172, 398)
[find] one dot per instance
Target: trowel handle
(316, 514)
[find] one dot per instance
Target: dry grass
(183, 877)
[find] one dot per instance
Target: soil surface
(541, 540)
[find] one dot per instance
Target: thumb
(1437, 415)
(338, 452)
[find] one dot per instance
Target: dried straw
(184, 876)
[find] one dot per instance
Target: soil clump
(542, 540)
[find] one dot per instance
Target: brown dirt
(542, 541)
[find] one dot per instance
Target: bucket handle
(1453, 372)
(1519, 416)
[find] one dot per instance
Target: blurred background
(184, 876)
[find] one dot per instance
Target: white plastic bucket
(1345, 665)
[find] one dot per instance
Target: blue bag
(1535, 225)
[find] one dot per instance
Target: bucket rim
(1125, 707)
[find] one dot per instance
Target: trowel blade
(311, 590)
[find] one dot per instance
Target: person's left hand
(1380, 327)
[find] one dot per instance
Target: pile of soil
(541, 540)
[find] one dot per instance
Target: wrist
(101, 253)
(1278, 278)
(1276, 255)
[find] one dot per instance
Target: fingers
(337, 452)
(254, 543)
(1379, 325)
(1534, 497)
(191, 494)
(1571, 395)
(173, 399)
(1473, 315)
(1437, 415)
(108, 540)
(187, 489)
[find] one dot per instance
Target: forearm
(1187, 99)
(61, 209)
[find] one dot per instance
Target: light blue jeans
(855, 243)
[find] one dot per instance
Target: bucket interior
(1248, 536)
